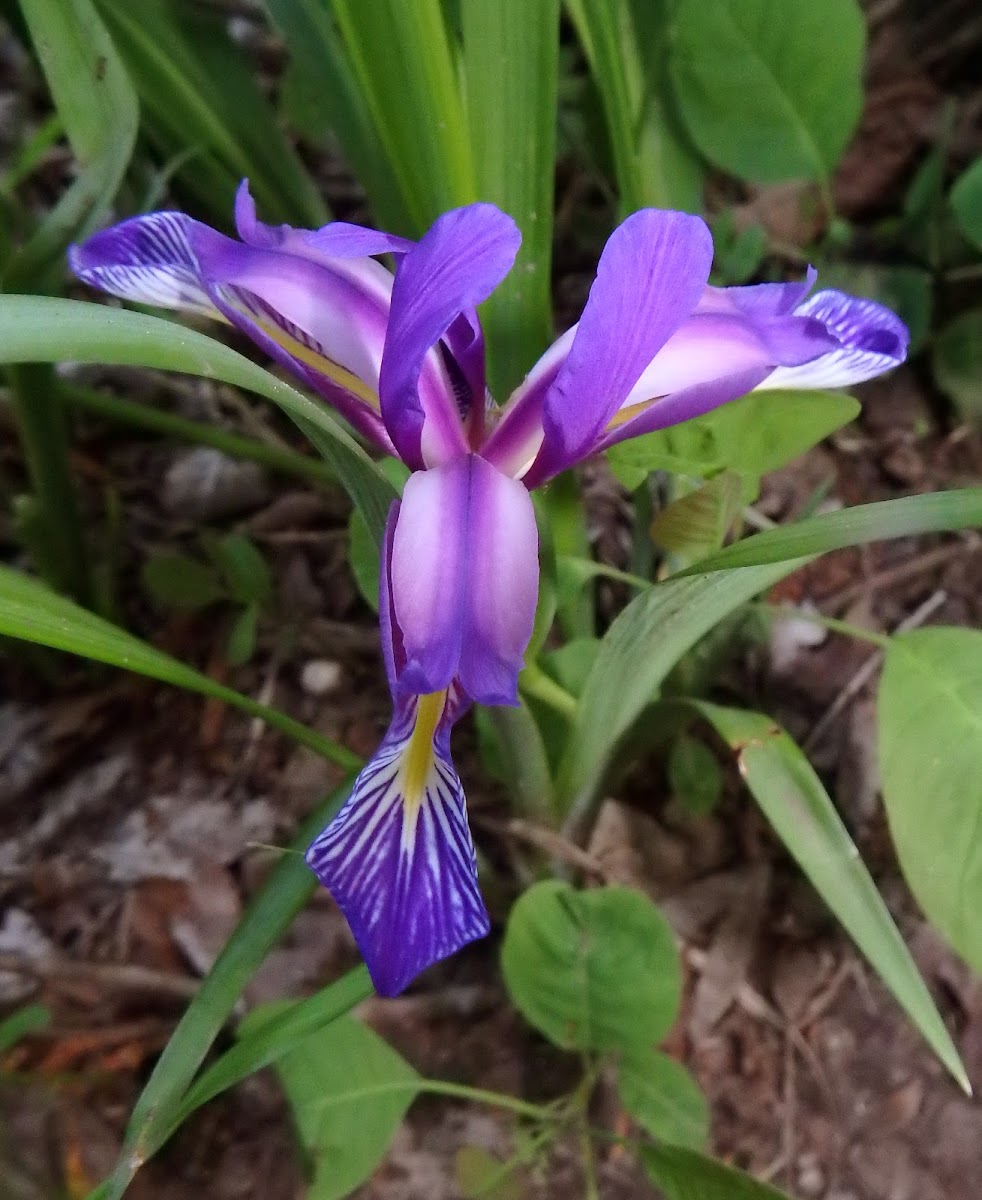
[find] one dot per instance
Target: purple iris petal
(456, 266)
(651, 275)
(148, 260)
(398, 858)
(765, 300)
(464, 580)
(872, 340)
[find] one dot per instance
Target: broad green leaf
(966, 202)
(348, 1090)
(769, 89)
(97, 104)
(31, 611)
(26, 1020)
(267, 918)
(592, 970)
(935, 512)
(642, 645)
(930, 752)
(245, 569)
(956, 356)
(402, 58)
(694, 775)
(320, 71)
(241, 643)
(683, 1174)
(41, 329)
(697, 523)
(510, 78)
(175, 580)
(753, 435)
(481, 1176)
(198, 92)
(625, 44)
(663, 1098)
(793, 799)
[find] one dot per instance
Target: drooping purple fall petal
(464, 580)
(456, 265)
(398, 858)
(872, 339)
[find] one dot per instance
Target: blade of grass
(792, 797)
(32, 612)
(402, 58)
(268, 917)
(510, 70)
(935, 512)
(318, 58)
(42, 329)
(198, 90)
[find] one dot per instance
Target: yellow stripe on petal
(320, 363)
(628, 413)
(418, 756)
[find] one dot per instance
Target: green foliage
(348, 1091)
(769, 89)
(594, 970)
(956, 356)
(363, 550)
(23, 1021)
(930, 752)
(682, 1174)
(176, 580)
(663, 1098)
(698, 522)
(39, 329)
(98, 108)
(794, 801)
(510, 69)
(966, 202)
(625, 42)
(936, 512)
(753, 435)
(694, 775)
(201, 100)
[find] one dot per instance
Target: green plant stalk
(43, 433)
(142, 416)
(535, 682)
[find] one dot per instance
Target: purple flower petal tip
(398, 858)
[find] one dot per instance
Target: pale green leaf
(793, 799)
(682, 1174)
(930, 752)
(663, 1098)
(593, 970)
(175, 580)
(769, 89)
(966, 201)
(41, 329)
(956, 356)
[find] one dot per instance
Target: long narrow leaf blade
(511, 70)
(98, 106)
(268, 917)
(793, 799)
(935, 512)
(638, 651)
(41, 329)
(32, 612)
(402, 57)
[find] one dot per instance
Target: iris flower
(401, 357)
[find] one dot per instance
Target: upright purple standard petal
(426, 394)
(871, 339)
(464, 580)
(398, 858)
(650, 277)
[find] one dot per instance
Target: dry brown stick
(114, 976)
(920, 564)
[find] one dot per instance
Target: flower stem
(831, 623)
(535, 682)
(460, 1091)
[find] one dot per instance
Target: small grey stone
(204, 484)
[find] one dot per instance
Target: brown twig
(120, 977)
